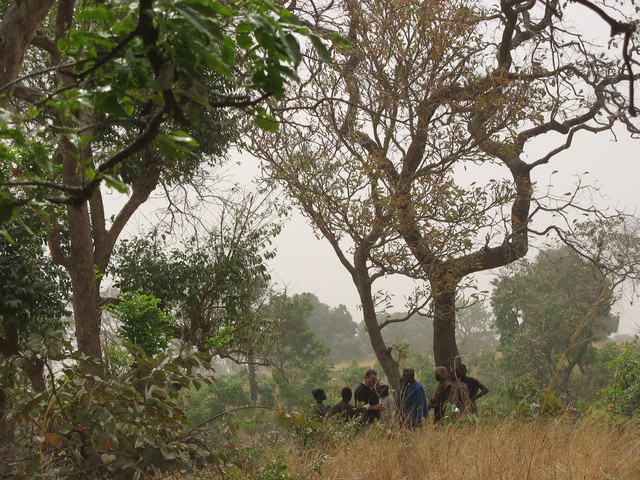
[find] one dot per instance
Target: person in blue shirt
(414, 399)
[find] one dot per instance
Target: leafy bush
(126, 425)
(622, 396)
(276, 469)
(226, 392)
(142, 322)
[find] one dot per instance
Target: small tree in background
(622, 396)
(474, 329)
(548, 313)
(142, 323)
(298, 359)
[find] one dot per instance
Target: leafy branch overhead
(110, 81)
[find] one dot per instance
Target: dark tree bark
(17, 30)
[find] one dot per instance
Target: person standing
(415, 401)
(367, 399)
(441, 397)
(344, 408)
(476, 389)
(387, 415)
(320, 409)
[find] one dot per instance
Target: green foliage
(211, 285)
(296, 356)
(550, 310)
(131, 423)
(138, 73)
(622, 396)
(352, 374)
(276, 469)
(34, 290)
(142, 322)
(528, 400)
(225, 393)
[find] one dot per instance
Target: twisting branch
(617, 28)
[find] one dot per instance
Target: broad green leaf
(293, 48)
(319, 46)
(266, 123)
(204, 25)
(98, 13)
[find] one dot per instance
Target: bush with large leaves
(126, 425)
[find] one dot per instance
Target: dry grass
(541, 450)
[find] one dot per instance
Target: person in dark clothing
(320, 409)
(476, 389)
(414, 400)
(344, 408)
(367, 398)
(441, 397)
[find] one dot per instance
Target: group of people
(409, 406)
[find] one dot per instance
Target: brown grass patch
(541, 450)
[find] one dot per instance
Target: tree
(33, 293)
(213, 284)
(336, 329)
(373, 146)
(622, 395)
(33, 299)
(474, 328)
(106, 94)
(548, 313)
(142, 323)
(296, 356)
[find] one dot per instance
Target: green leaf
(202, 24)
(115, 183)
(319, 46)
(99, 13)
(267, 123)
(293, 48)
(244, 40)
(228, 51)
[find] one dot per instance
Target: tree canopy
(547, 319)
(97, 96)
(372, 146)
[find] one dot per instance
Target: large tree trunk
(383, 353)
(85, 285)
(445, 349)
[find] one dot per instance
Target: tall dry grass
(506, 450)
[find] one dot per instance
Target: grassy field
(506, 450)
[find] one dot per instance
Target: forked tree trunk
(85, 285)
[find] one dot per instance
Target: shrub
(622, 396)
(126, 425)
